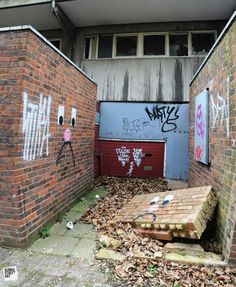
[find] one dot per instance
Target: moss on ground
(89, 199)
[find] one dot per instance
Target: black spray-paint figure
(67, 132)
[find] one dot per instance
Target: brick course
(168, 211)
(219, 75)
(34, 190)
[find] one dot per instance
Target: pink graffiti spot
(199, 121)
(67, 135)
(198, 152)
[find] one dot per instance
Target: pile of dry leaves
(140, 268)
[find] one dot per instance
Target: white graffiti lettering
(135, 125)
(36, 119)
(220, 110)
(137, 155)
(123, 155)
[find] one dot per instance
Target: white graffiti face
(137, 155)
(123, 155)
(36, 120)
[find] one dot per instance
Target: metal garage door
(132, 158)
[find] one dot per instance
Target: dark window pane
(126, 46)
(154, 45)
(105, 46)
(202, 43)
(178, 45)
(56, 43)
(86, 48)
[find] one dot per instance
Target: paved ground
(65, 258)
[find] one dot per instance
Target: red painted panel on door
(136, 159)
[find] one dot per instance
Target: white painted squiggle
(36, 120)
(131, 167)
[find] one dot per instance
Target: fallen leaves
(141, 266)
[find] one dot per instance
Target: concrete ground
(64, 259)
(176, 184)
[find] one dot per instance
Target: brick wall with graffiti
(217, 79)
(48, 109)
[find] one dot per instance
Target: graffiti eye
(73, 117)
(60, 116)
(61, 120)
(167, 200)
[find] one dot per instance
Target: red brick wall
(219, 75)
(33, 187)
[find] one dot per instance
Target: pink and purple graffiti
(199, 152)
(199, 122)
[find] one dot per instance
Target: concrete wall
(44, 166)
(162, 79)
(143, 79)
(219, 75)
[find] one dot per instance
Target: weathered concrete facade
(218, 74)
(140, 78)
(149, 80)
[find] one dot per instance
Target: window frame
(178, 34)
(115, 36)
(200, 32)
(155, 34)
(140, 44)
(90, 47)
(98, 36)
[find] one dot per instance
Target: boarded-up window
(105, 46)
(126, 45)
(154, 45)
(202, 43)
(179, 45)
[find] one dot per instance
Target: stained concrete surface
(64, 259)
(176, 184)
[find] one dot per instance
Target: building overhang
(38, 13)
